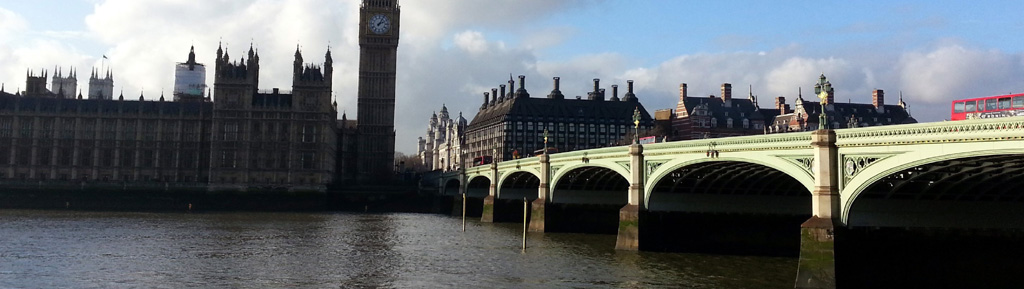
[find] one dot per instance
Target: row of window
(187, 159)
(42, 176)
(1016, 102)
(267, 160)
(109, 129)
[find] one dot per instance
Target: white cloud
(471, 41)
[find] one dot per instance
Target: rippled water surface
(62, 249)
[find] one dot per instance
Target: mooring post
(526, 223)
(817, 267)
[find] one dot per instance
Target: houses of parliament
(234, 136)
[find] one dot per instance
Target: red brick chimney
(681, 105)
(780, 104)
(726, 91)
(878, 98)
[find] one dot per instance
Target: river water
(74, 249)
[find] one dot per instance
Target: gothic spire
(192, 55)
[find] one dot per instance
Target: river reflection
(271, 250)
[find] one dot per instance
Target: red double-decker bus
(988, 107)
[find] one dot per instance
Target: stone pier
(817, 268)
(629, 216)
(537, 206)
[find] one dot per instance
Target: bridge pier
(538, 205)
(487, 214)
(629, 216)
(817, 268)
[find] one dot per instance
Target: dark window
(958, 107)
(1018, 102)
(970, 106)
(1004, 103)
(990, 104)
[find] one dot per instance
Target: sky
(451, 51)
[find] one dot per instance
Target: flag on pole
(105, 56)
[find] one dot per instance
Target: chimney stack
(486, 95)
(629, 92)
(682, 92)
(596, 93)
(878, 98)
(494, 94)
(521, 92)
(556, 93)
(780, 104)
(615, 92)
(502, 95)
(726, 92)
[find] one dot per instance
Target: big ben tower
(378, 46)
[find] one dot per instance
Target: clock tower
(378, 46)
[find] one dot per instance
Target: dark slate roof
(550, 109)
(739, 109)
(865, 112)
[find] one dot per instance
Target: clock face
(379, 23)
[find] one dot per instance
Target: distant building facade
(724, 116)
(45, 136)
(513, 124)
(244, 138)
(805, 115)
(442, 147)
(101, 85)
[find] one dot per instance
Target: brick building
(514, 123)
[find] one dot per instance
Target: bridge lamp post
(822, 89)
(545, 141)
(636, 125)
(463, 185)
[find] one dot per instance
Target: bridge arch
(776, 166)
(451, 187)
(930, 181)
(518, 184)
(478, 186)
(607, 176)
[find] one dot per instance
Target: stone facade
(245, 139)
(442, 147)
(272, 138)
(378, 50)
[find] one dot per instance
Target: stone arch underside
(591, 185)
(968, 192)
(518, 185)
(478, 187)
(729, 187)
(451, 187)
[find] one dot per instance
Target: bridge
(760, 191)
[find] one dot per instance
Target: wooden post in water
(463, 212)
(526, 224)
